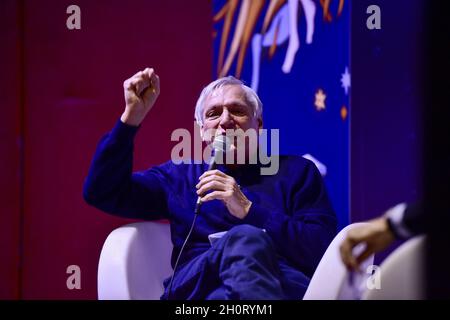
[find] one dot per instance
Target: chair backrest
(402, 273)
(331, 280)
(134, 261)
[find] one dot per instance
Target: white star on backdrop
(345, 80)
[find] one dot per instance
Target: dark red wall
(72, 96)
(10, 149)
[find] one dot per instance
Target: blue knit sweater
(291, 205)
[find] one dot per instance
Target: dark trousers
(243, 264)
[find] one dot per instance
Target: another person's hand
(224, 188)
(376, 235)
(141, 92)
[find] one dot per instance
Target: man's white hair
(250, 94)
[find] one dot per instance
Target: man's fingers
(155, 83)
(207, 179)
(213, 172)
(140, 86)
(130, 83)
(346, 249)
(220, 195)
(130, 86)
(152, 79)
(364, 255)
(142, 80)
(136, 85)
(148, 73)
(143, 74)
(136, 75)
(212, 185)
(346, 253)
(153, 89)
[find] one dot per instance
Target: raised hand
(141, 92)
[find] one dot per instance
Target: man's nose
(226, 120)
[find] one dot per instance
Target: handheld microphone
(221, 145)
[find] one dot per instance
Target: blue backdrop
(296, 55)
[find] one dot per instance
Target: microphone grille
(222, 143)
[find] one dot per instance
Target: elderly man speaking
(277, 226)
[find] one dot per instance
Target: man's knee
(249, 232)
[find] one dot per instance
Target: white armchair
(402, 273)
(135, 259)
(331, 280)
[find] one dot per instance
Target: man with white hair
(277, 226)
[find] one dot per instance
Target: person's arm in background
(399, 222)
(414, 219)
(110, 185)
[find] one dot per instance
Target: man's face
(227, 108)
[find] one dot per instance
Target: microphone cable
(221, 145)
(197, 209)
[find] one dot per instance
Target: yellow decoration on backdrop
(319, 103)
(246, 13)
(344, 113)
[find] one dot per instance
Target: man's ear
(202, 131)
(260, 123)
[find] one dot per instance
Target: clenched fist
(141, 92)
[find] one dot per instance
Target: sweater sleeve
(415, 219)
(407, 220)
(112, 187)
(303, 230)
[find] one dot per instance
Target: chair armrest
(331, 279)
(402, 273)
(134, 261)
